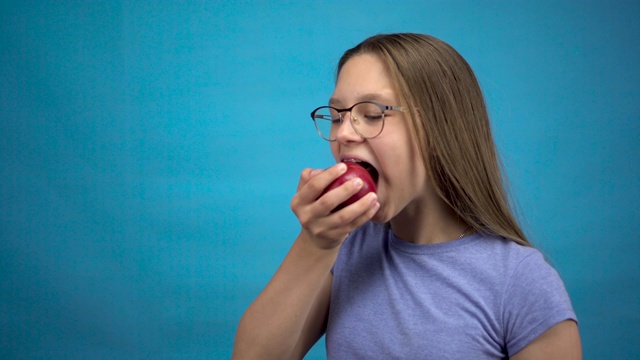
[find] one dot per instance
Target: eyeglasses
(367, 119)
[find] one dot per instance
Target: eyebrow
(364, 97)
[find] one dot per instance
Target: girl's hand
(328, 230)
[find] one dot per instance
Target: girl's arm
(561, 341)
(290, 314)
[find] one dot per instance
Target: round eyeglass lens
(327, 122)
(368, 119)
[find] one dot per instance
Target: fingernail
(357, 182)
(372, 197)
(342, 167)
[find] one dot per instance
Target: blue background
(149, 151)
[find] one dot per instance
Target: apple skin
(353, 171)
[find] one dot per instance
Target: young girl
(431, 266)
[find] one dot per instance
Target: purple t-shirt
(479, 297)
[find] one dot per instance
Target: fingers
(314, 172)
(356, 214)
(313, 181)
(332, 200)
(308, 174)
(304, 178)
(336, 226)
(314, 212)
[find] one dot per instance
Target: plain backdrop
(149, 151)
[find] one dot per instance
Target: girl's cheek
(335, 150)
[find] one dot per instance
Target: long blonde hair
(451, 126)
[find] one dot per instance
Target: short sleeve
(535, 299)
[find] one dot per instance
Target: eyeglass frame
(382, 107)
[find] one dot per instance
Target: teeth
(372, 170)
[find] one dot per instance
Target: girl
(433, 265)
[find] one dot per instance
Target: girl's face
(402, 180)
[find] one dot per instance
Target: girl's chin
(380, 217)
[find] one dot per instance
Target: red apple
(354, 170)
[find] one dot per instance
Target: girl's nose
(346, 132)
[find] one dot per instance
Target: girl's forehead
(364, 69)
(363, 77)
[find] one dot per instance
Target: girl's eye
(373, 117)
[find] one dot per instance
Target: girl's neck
(428, 220)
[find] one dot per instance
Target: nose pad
(347, 132)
